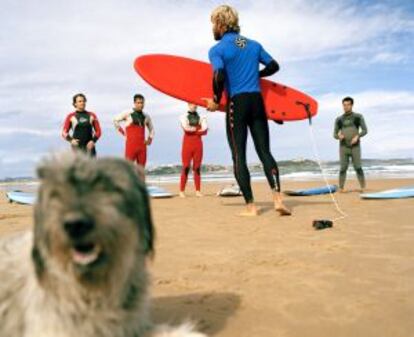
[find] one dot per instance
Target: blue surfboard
(313, 191)
(24, 198)
(29, 198)
(397, 193)
(158, 192)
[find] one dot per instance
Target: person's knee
(359, 170)
(239, 161)
(343, 169)
(186, 170)
(264, 155)
(197, 170)
(234, 156)
(275, 172)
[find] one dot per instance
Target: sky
(50, 50)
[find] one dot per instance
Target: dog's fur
(82, 273)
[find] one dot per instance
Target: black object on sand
(322, 224)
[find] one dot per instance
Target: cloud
(389, 117)
(389, 57)
(328, 49)
(22, 132)
(317, 29)
(9, 114)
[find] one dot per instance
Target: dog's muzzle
(78, 227)
(84, 251)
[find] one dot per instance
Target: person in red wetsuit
(194, 127)
(135, 122)
(84, 126)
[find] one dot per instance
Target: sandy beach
(277, 277)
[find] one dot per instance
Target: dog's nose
(77, 228)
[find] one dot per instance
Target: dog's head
(92, 218)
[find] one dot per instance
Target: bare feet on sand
(251, 210)
(279, 205)
(199, 194)
(358, 190)
(181, 195)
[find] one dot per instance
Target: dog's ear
(43, 170)
(145, 224)
(123, 176)
(38, 262)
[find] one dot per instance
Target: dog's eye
(54, 194)
(106, 186)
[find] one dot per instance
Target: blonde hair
(227, 16)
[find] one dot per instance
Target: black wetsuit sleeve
(218, 85)
(270, 69)
(337, 128)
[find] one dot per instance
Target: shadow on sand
(209, 311)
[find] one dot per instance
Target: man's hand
(191, 129)
(355, 140)
(210, 104)
(148, 141)
(121, 131)
(74, 142)
(90, 145)
(341, 136)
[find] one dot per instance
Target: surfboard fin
(307, 109)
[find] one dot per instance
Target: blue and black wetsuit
(235, 60)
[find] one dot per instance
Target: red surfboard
(191, 80)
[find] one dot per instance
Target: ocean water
(295, 170)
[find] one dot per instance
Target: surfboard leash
(318, 159)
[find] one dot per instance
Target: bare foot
(251, 210)
(342, 190)
(199, 194)
(182, 195)
(279, 206)
(283, 210)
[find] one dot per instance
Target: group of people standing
(235, 61)
(82, 130)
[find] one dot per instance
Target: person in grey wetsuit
(349, 128)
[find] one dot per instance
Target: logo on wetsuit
(83, 120)
(354, 121)
(193, 119)
(241, 42)
(138, 118)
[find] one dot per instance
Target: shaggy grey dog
(82, 273)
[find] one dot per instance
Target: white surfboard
(397, 193)
(24, 198)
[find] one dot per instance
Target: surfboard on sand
(19, 197)
(158, 192)
(29, 198)
(397, 193)
(313, 191)
(191, 80)
(230, 191)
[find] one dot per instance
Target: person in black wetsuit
(235, 60)
(84, 126)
